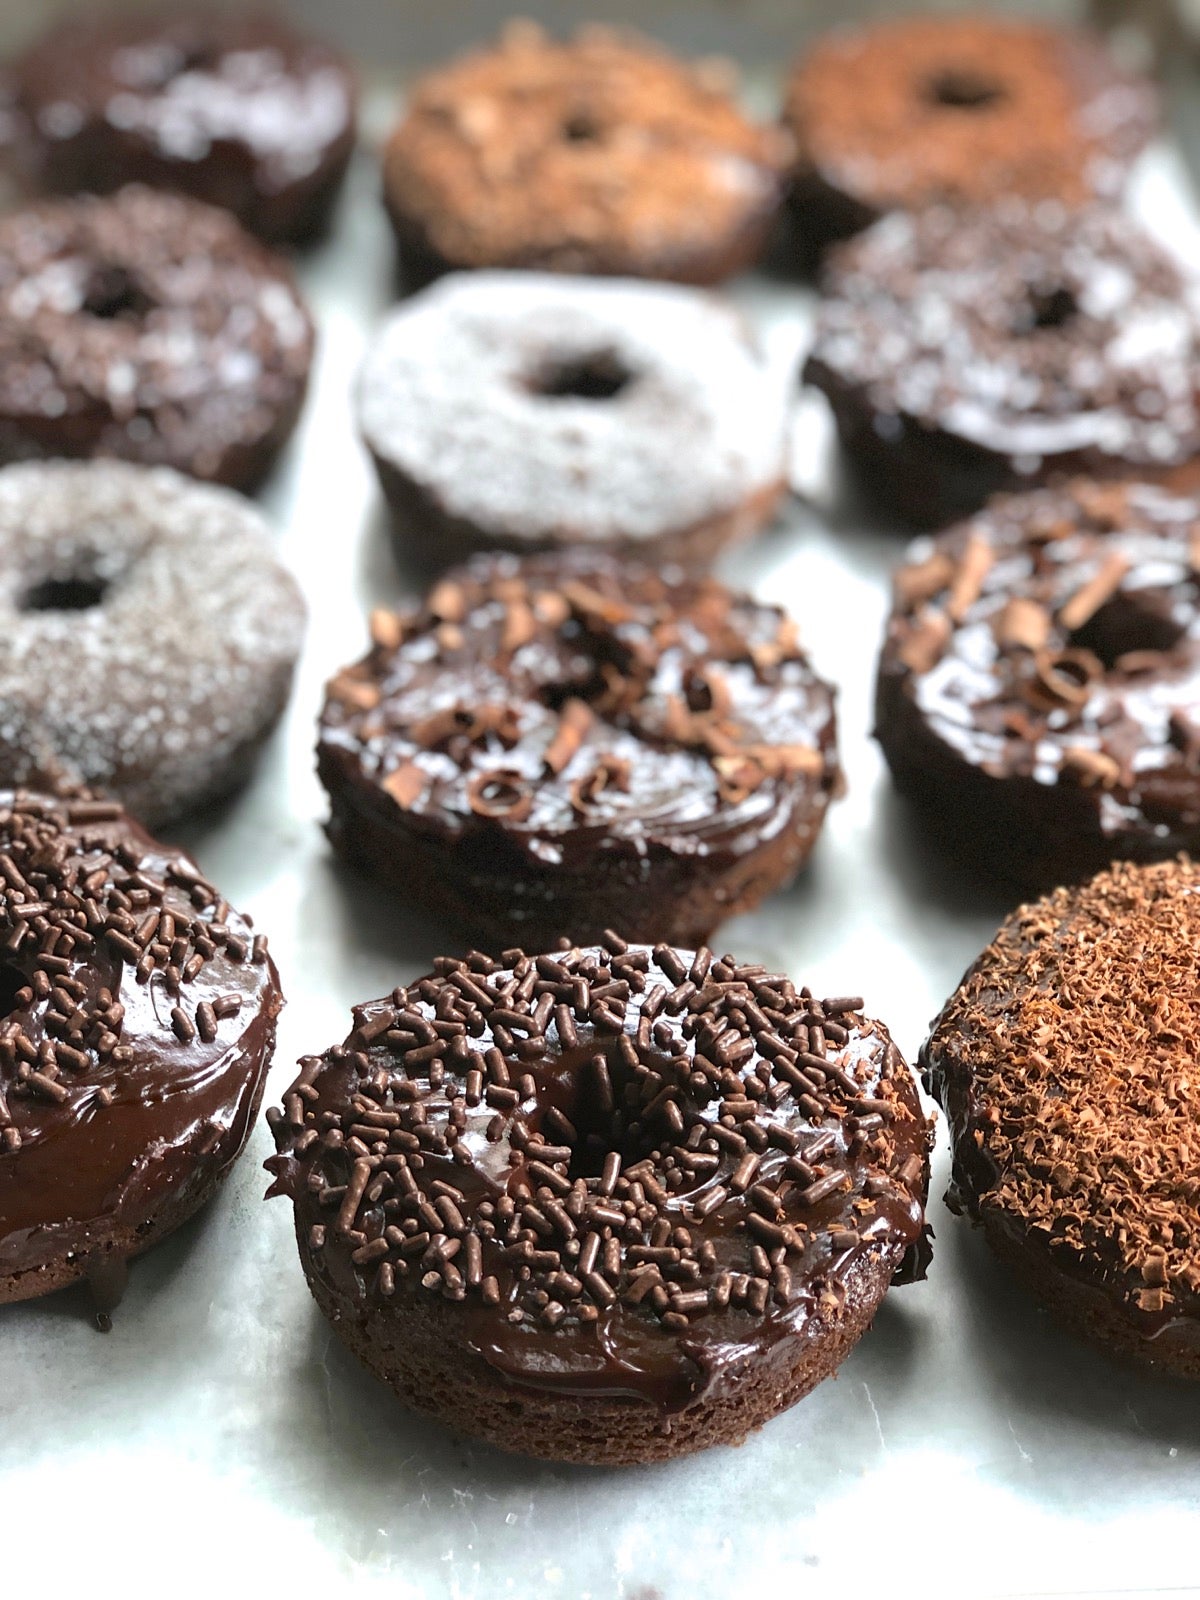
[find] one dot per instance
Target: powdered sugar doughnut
(524, 411)
(147, 633)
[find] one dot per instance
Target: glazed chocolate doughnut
(607, 1205)
(1039, 687)
(529, 412)
(237, 110)
(147, 633)
(1066, 1062)
(964, 356)
(548, 743)
(907, 113)
(139, 1025)
(603, 155)
(149, 327)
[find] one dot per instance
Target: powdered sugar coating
(449, 398)
(162, 691)
(1030, 331)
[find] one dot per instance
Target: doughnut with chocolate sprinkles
(549, 744)
(602, 155)
(605, 1205)
(1038, 694)
(916, 111)
(147, 633)
(231, 107)
(149, 327)
(139, 1021)
(527, 412)
(963, 355)
(1067, 1065)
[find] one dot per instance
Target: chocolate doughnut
(967, 355)
(1039, 688)
(1067, 1065)
(147, 633)
(531, 412)
(234, 109)
(601, 155)
(149, 327)
(910, 112)
(607, 1205)
(139, 1022)
(548, 744)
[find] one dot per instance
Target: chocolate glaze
(139, 1121)
(916, 111)
(698, 760)
(231, 107)
(1039, 686)
(967, 354)
(617, 1345)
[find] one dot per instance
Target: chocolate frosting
(140, 1021)
(631, 1171)
(1051, 648)
(579, 704)
(232, 107)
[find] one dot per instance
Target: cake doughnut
(602, 155)
(917, 111)
(548, 742)
(608, 1205)
(147, 633)
(962, 356)
(231, 108)
(1038, 693)
(139, 1022)
(1066, 1063)
(531, 412)
(150, 327)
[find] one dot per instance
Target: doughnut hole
(64, 594)
(599, 376)
(580, 127)
(112, 292)
(1131, 622)
(963, 89)
(1046, 306)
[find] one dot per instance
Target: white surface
(966, 1447)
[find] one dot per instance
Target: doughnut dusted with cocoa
(605, 1205)
(552, 742)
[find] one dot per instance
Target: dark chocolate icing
(140, 1021)
(229, 106)
(575, 718)
(630, 1173)
(1040, 679)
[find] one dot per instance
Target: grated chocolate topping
(674, 415)
(1066, 1062)
(562, 695)
(605, 1146)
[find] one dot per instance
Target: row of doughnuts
(526, 1161)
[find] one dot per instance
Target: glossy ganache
(1039, 687)
(647, 1184)
(1066, 1063)
(551, 745)
(139, 1023)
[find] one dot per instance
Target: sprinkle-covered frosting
(1067, 1065)
(149, 327)
(147, 632)
(631, 1167)
(138, 1020)
(1032, 333)
(556, 410)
